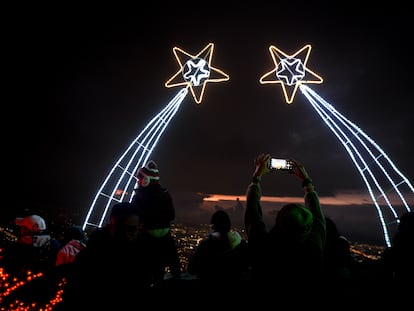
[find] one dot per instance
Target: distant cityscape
(187, 237)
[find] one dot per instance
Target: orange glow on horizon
(340, 199)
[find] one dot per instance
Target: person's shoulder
(206, 241)
(155, 189)
(74, 244)
(100, 234)
(163, 189)
(165, 192)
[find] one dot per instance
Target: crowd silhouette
(133, 259)
(338, 258)
(116, 257)
(220, 259)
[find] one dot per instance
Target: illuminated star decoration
(196, 71)
(290, 71)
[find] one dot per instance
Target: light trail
(381, 176)
(194, 73)
(119, 184)
(379, 173)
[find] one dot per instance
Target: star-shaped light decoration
(290, 71)
(196, 71)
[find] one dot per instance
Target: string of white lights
(194, 73)
(351, 138)
(120, 181)
(381, 176)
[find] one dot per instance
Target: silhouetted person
(156, 213)
(34, 253)
(220, 259)
(398, 260)
(338, 260)
(113, 269)
(291, 253)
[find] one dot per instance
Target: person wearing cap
(33, 250)
(156, 213)
(291, 252)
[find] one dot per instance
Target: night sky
(89, 79)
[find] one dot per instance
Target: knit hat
(34, 223)
(295, 220)
(148, 173)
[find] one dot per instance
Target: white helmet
(34, 223)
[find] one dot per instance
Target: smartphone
(280, 164)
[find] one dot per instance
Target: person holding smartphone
(291, 252)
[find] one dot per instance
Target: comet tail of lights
(381, 176)
(387, 186)
(119, 183)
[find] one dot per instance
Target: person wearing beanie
(148, 174)
(156, 214)
(291, 252)
(154, 202)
